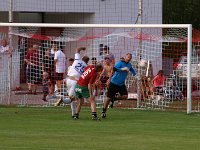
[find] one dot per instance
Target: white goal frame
(186, 26)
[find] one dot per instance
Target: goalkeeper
(117, 83)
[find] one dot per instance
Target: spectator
(60, 63)
(94, 61)
(5, 47)
(107, 73)
(48, 67)
(108, 54)
(33, 73)
(158, 81)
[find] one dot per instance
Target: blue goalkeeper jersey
(119, 76)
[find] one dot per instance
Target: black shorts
(113, 89)
(33, 74)
(59, 76)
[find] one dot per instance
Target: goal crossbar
(97, 25)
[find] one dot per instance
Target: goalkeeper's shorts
(113, 89)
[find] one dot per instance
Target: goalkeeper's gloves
(124, 69)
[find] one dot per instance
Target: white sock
(73, 107)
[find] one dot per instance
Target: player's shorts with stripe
(113, 89)
(81, 91)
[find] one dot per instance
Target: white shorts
(71, 87)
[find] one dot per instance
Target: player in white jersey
(78, 65)
(73, 76)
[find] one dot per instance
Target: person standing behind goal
(33, 72)
(117, 83)
(5, 48)
(74, 73)
(60, 63)
(158, 82)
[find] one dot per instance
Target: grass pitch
(54, 129)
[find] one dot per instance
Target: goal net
(153, 48)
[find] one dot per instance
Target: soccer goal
(154, 47)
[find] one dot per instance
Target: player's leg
(80, 102)
(93, 108)
(123, 93)
(105, 107)
(85, 94)
(112, 90)
(73, 107)
(69, 98)
(119, 89)
(71, 92)
(79, 94)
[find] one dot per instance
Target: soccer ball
(143, 63)
(67, 100)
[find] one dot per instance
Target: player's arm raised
(78, 50)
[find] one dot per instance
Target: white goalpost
(156, 49)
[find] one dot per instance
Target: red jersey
(33, 56)
(158, 81)
(88, 76)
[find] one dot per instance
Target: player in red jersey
(84, 89)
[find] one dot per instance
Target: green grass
(54, 129)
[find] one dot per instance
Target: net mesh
(153, 49)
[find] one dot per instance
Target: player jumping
(117, 83)
(73, 76)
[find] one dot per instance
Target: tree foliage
(181, 12)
